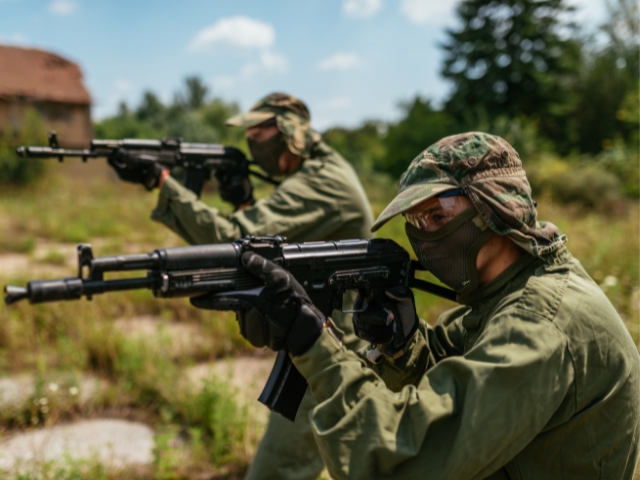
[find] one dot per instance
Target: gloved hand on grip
(144, 173)
(279, 315)
(235, 188)
(389, 322)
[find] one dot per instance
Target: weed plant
(201, 432)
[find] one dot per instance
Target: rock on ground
(114, 443)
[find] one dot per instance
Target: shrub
(624, 162)
(13, 169)
(580, 182)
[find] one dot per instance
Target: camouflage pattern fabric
(490, 172)
(292, 117)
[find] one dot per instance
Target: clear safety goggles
(438, 211)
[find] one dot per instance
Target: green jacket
(536, 378)
(323, 200)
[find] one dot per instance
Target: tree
(421, 126)
(363, 146)
(151, 110)
(514, 58)
(190, 117)
(195, 94)
(607, 109)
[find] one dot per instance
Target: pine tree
(513, 58)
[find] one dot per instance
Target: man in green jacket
(533, 376)
(319, 198)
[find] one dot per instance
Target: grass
(201, 433)
(69, 340)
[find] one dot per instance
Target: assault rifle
(326, 270)
(198, 160)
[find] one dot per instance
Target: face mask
(267, 153)
(450, 252)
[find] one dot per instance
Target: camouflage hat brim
(410, 197)
(250, 119)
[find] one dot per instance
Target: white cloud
(336, 103)
(266, 63)
(339, 61)
(361, 8)
(426, 11)
(239, 31)
(63, 7)
(274, 62)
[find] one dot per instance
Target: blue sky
(350, 60)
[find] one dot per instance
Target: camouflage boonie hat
(292, 117)
(490, 172)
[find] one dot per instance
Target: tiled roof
(39, 75)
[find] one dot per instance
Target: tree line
(521, 69)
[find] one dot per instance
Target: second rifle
(199, 160)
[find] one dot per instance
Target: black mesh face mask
(450, 252)
(267, 153)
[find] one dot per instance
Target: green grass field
(85, 203)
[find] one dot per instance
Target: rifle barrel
(47, 152)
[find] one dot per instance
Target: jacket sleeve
(467, 416)
(288, 211)
(427, 347)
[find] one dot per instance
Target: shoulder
(324, 170)
(330, 160)
(542, 290)
(561, 291)
(560, 297)
(528, 312)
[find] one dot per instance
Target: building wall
(71, 122)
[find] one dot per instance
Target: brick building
(50, 84)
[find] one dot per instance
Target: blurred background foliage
(565, 98)
(14, 170)
(192, 115)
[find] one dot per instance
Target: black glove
(279, 316)
(145, 173)
(388, 324)
(235, 188)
